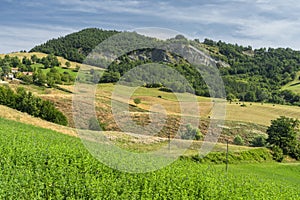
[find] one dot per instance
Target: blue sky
(259, 23)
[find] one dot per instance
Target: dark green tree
(283, 133)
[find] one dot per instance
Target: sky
(258, 23)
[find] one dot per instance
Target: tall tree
(283, 133)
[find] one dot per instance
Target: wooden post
(169, 142)
(227, 157)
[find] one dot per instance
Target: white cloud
(258, 23)
(24, 38)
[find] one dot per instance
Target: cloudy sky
(259, 23)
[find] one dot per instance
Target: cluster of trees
(8, 62)
(54, 76)
(283, 138)
(257, 75)
(51, 78)
(76, 46)
(27, 102)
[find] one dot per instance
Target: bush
(238, 140)
(277, 153)
(137, 101)
(191, 133)
(258, 141)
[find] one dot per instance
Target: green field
(38, 163)
(294, 85)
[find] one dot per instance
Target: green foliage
(254, 155)
(137, 101)
(191, 133)
(282, 133)
(38, 163)
(277, 153)
(238, 140)
(258, 141)
(76, 46)
(110, 77)
(26, 102)
(68, 64)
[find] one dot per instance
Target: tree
(34, 58)
(191, 133)
(230, 97)
(68, 64)
(39, 77)
(283, 133)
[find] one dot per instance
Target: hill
(254, 75)
(75, 46)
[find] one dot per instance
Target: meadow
(38, 163)
(293, 85)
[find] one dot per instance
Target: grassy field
(294, 85)
(253, 112)
(38, 163)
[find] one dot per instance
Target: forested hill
(249, 74)
(75, 46)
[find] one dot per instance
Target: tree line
(35, 106)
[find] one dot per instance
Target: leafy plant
(238, 140)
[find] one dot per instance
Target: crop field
(37, 163)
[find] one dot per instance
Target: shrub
(277, 153)
(258, 141)
(137, 101)
(191, 133)
(238, 140)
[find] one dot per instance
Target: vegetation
(76, 46)
(40, 71)
(238, 140)
(258, 141)
(283, 137)
(256, 75)
(191, 133)
(137, 101)
(41, 164)
(26, 102)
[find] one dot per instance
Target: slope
(41, 164)
(75, 46)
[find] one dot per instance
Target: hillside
(254, 75)
(294, 85)
(76, 46)
(40, 55)
(41, 164)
